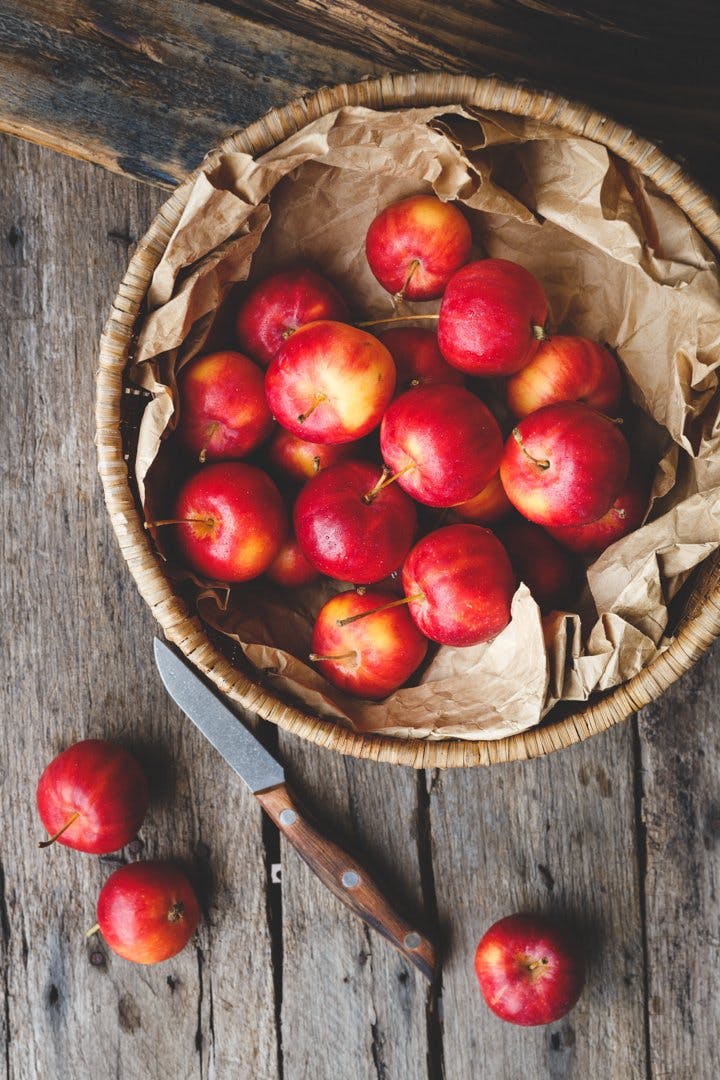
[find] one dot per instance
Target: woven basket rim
(700, 625)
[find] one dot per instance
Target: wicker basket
(700, 621)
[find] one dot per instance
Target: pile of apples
(415, 503)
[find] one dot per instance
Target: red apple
(92, 797)
(290, 568)
(350, 527)
(280, 304)
(460, 585)
(230, 521)
(624, 516)
(414, 246)
(330, 383)
(299, 459)
(372, 656)
(529, 971)
(540, 562)
(223, 410)
(567, 369)
(491, 318)
(564, 465)
(418, 359)
(147, 911)
(442, 442)
(488, 506)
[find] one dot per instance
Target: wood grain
(347, 879)
(353, 1008)
(556, 835)
(681, 814)
(120, 84)
(76, 642)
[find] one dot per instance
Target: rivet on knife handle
(346, 879)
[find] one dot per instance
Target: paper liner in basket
(620, 263)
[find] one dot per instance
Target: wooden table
(621, 834)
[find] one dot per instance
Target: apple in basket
(459, 585)
(229, 521)
(567, 369)
(492, 318)
(418, 359)
(279, 305)
(366, 643)
(529, 970)
(624, 516)
(330, 382)
(441, 443)
(299, 459)
(414, 246)
(290, 568)
(351, 525)
(564, 465)
(223, 410)
(538, 560)
(488, 506)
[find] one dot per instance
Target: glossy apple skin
(567, 369)
(246, 521)
(223, 410)
(514, 991)
(281, 304)
(388, 645)
(147, 911)
(299, 459)
(624, 516)
(290, 568)
(487, 317)
(103, 784)
(450, 437)
(421, 228)
(468, 584)
(418, 360)
(570, 467)
(344, 536)
(487, 507)
(352, 369)
(547, 570)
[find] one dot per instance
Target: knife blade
(265, 777)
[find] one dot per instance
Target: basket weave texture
(700, 622)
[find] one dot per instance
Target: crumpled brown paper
(620, 263)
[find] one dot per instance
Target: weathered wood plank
(555, 835)
(76, 641)
(148, 89)
(353, 1008)
(681, 811)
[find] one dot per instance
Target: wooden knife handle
(346, 879)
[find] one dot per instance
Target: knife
(265, 777)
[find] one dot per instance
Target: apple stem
(180, 521)
(384, 607)
(536, 964)
(542, 463)
(73, 817)
(539, 332)
(342, 656)
(386, 478)
(396, 319)
(400, 296)
(211, 431)
(93, 930)
(318, 401)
